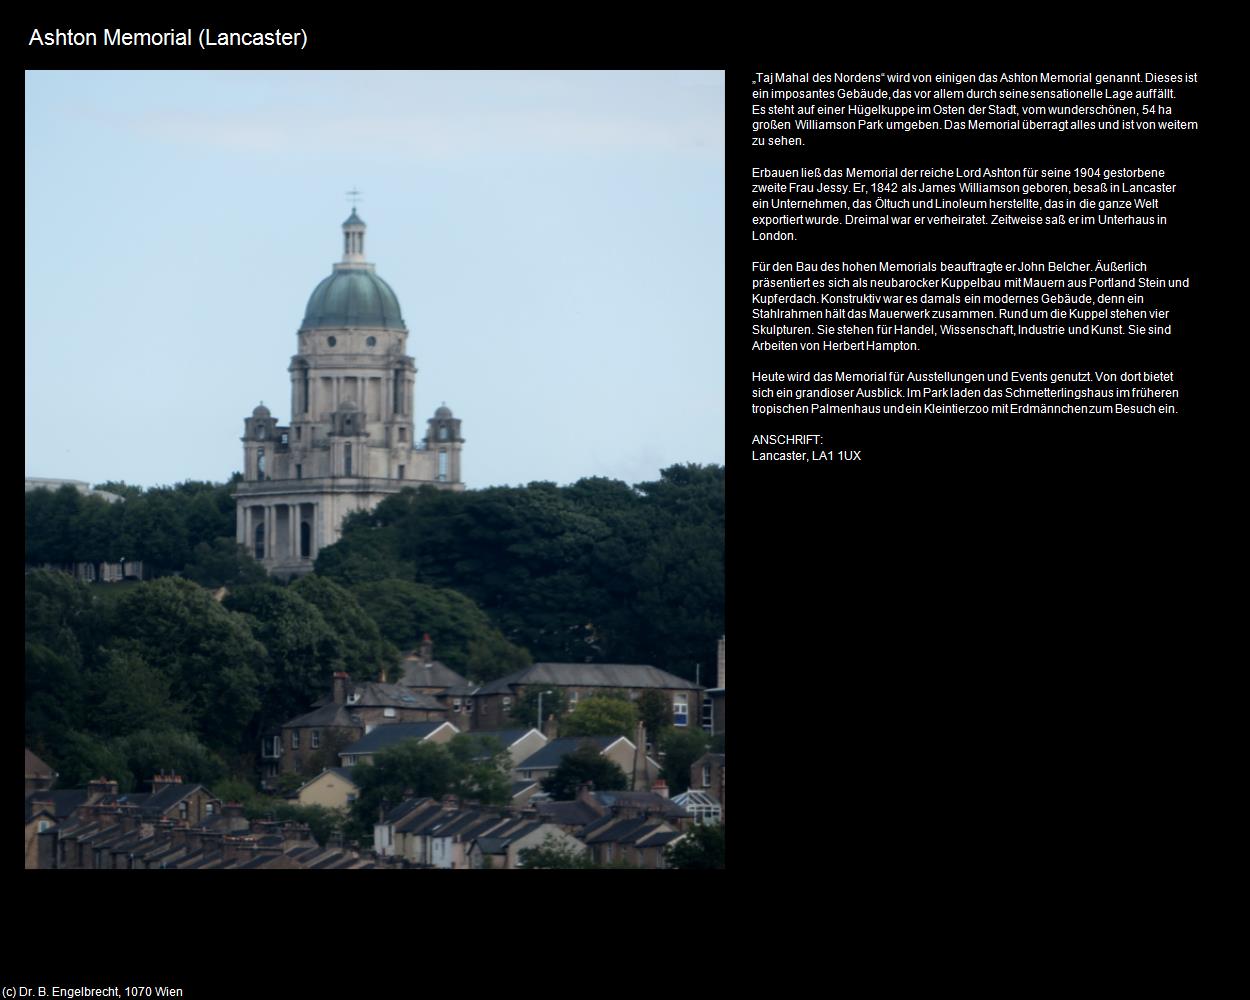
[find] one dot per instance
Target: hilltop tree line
(597, 571)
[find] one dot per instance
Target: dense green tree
(702, 847)
(302, 652)
(161, 526)
(372, 555)
(79, 758)
(552, 853)
(655, 709)
(59, 619)
(601, 715)
(464, 637)
(149, 752)
(365, 652)
(409, 770)
(585, 763)
(223, 562)
(681, 748)
(209, 654)
(597, 570)
(485, 768)
(525, 708)
(128, 695)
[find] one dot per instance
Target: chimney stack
(99, 787)
(720, 662)
(660, 787)
(427, 650)
(550, 727)
(341, 683)
(160, 781)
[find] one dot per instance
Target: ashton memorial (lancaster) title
(206, 38)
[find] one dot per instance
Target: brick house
(311, 741)
(492, 704)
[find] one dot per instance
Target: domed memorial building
(351, 440)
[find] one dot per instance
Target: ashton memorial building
(351, 440)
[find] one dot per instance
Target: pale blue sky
(556, 241)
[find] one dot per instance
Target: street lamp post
(540, 708)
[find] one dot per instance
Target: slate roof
(390, 735)
(610, 675)
(404, 808)
(505, 736)
(498, 843)
(520, 786)
(641, 831)
(644, 800)
(159, 802)
(369, 694)
(327, 715)
(551, 755)
(374, 695)
(435, 674)
(63, 802)
(574, 813)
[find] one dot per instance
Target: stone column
(292, 516)
(270, 520)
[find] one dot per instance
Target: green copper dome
(353, 297)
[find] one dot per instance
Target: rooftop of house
(374, 694)
(62, 802)
(384, 737)
(342, 773)
(581, 675)
(498, 843)
(550, 755)
(418, 673)
(652, 801)
(641, 831)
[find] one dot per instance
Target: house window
(707, 775)
(455, 705)
(468, 704)
(285, 439)
(43, 825)
(681, 710)
(315, 740)
(271, 746)
(294, 739)
(184, 810)
(299, 472)
(403, 434)
(572, 700)
(347, 459)
(210, 808)
(401, 473)
(507, 704)
(442, 465)
(388, 713)
(260, 463)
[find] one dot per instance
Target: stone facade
(351, 439)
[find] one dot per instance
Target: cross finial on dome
(355, 197)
